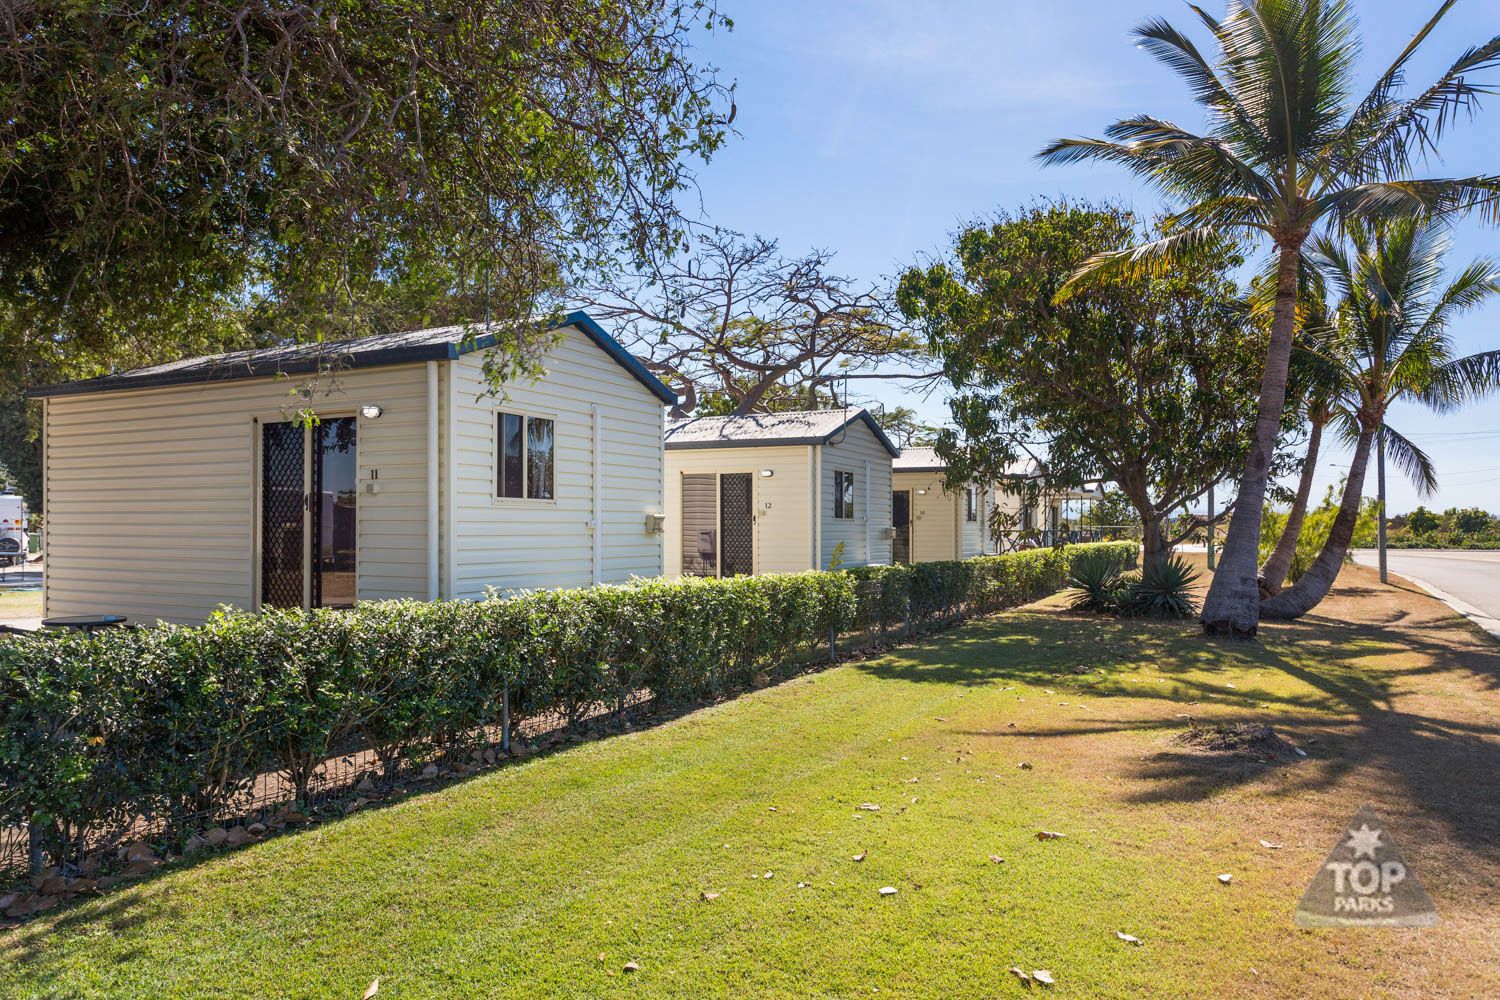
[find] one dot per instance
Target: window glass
(510, 456)
(843, 494)
(539, 458)
(970, 513)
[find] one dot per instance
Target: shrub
(1100, 581)
(174, 724)
(1164, 590)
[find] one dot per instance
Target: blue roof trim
(601, 339)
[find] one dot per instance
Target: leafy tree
(738, 324)
(1286, 151)
(902, 426)
(1471, 521)
(1422, 521)
(1139, 381)
(1392, 320)
(333, 168)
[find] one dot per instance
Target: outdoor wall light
(767, 473)
(370, 411)
(921, 493)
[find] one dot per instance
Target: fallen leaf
(1049, 835)
(372, 989)
(869, 807)
(861, 855)
(1226, 878)
(1025, 765)
(1042, 976)
(1020, 974)
(708, 897)
(632, 967)
(769, 875)
(888, 890)
(802, 885)
(1127, 938)
(997, 859)
(1270, 846)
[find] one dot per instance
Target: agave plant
(1165, 590)
(1100, 581)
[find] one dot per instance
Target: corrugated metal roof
(751, 429)
(920, 458)
(434, 344)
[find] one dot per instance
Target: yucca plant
(1100, 581)
(1164, 590)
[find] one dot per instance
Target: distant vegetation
(1454, 528)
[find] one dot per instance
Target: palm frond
(1385, 136)
(1176, 51)
(1381, 200)
(1412, 461)
(1150, 259)
(1463, 380)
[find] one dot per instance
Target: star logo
(1364, 841)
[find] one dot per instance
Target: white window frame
(496, 459)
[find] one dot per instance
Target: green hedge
(173, 724)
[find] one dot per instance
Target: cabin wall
(865, 537)
(513, 544)
(781, 501)
(152, 494)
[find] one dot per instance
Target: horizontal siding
(864, 537)
(521, 544)
(780, 501)
(151, 493)
(933, 514)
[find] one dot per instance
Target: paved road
(1472, 575)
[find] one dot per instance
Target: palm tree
(1286, 150)
(1316, 380)
(1392, 319)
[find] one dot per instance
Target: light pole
(1380, 486)
(1211, 526)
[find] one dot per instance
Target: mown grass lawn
(20, 604)
(545, 878)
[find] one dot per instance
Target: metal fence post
(505, 715)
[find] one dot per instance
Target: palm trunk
(1273, 573)
(1304, 595)
(1233, 603)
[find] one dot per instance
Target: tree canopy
(736, 326)
(186, 177)
(1147, 381)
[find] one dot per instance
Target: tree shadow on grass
(1365, 698)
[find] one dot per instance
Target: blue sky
(875, 128)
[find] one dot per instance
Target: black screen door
(283, 501)
(901, 525)
(736, 525)
(309, 487)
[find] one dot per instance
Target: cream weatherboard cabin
(175, 489)
(777, 493)
(931, 522)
